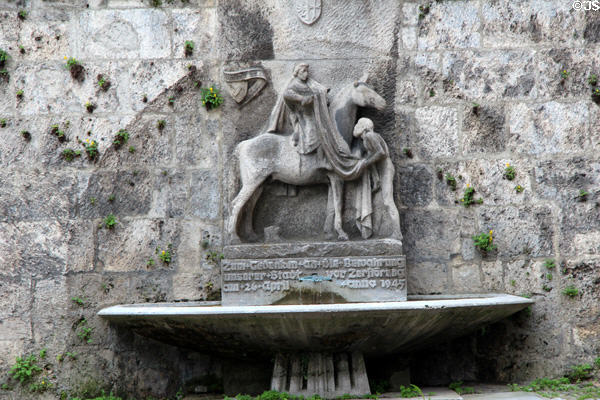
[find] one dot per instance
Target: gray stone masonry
(470, 86)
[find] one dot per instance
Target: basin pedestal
(328, 374)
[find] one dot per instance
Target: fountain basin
(374, 328)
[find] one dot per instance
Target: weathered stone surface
(449, 25)
(414, 185)
(529, 23)
(492, 75)
(204, 194)
(484, 129)
(488, 180)
(132, 191)
(548, 128)
(197, 140)
(198, 26)
(492, 274)
(27, 195)
(133, 33)
(427, 278)
(519, 230)
(466, 278)
(430, 122)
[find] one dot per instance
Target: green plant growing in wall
(410, 391)
(214, 256)
(89, 107)
(580, 372)
(111, 198)
(407, 152)
(2, 122)
(431, 92)
(20, 94)
(468, 198)
(165, 255)
(84, 332)
(56, 131)
(24, 368)
(188, 48)
(509, 172)
(22, 15)
(519, 189)
(156, 3)
(42, 386)
(484, 242)
(91, 148)
(78, 300)
(75, 68)
(120, 138)
(25, 135)
(161, 124)
(109, 221)
(211, 98)
(582, 195)
(596, 95)
(451, 181)
(550, 263)
(131, 149)
(4, 57)
(423, 10)
(570, 291)
(171, 100)
(103, 83)
(593, 79)
(150, 262)
(564, 74)
(460, 389)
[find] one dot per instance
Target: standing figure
(378, 176)
(297, 105)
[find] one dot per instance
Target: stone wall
(470, 87)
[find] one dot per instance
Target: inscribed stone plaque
(376, 274)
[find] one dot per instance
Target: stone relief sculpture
(317, 151)
(245, 83)
(308, 11)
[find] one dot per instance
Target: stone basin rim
(432, 302)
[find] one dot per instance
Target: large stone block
(197, 140)
(132, 191)
(47, 35)
(414, 185)
(548, 128)
(15, 290)
(579, 226)
(199, 26)
(427, 278)
(519, 230)
(171, 194)
(430, 121)
(132, 243)
(205, 195)
(479, 75)
(488, 180)
(450, 25)
(484, 129)
(466, 278)
(133, 33)
(561, 180)
(527, 23)
(265, 30)
(416, 75)
(27, 195)
(430, 235)
(151, 146)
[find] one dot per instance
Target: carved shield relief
(238, 90)
(308, 10)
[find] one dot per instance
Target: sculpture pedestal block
(314, 273)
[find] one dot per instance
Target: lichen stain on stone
(244, 34)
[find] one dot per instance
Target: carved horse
(273, 155)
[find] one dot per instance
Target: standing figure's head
(301, 71)
(363, 125)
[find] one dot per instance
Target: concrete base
(375, 329)
(328, 375)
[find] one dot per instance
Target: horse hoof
(343, 236)
(235, 240)
(329, 236)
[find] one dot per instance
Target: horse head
(365, 96)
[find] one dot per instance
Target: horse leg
(248, 188)
(249, 214)
(337, 187)
(328, 228)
